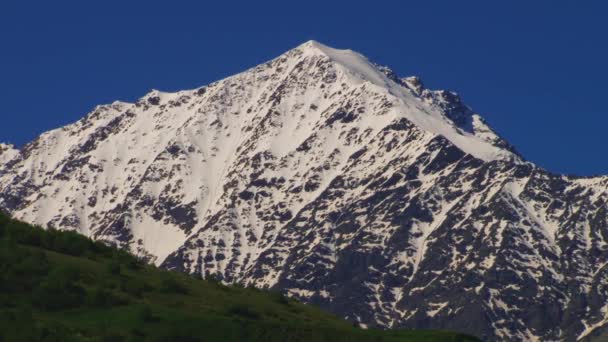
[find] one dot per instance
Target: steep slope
(326, 176)
(123, 157)
(61, 286)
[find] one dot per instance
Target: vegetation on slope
(61, 286)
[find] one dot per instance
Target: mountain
(61, 286)
(7, 152)
(328, 177)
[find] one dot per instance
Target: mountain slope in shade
(326, 176)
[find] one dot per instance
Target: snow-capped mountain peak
(360, 71)
(326, 176)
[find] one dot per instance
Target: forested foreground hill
(61, 286)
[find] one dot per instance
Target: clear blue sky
(537, 70)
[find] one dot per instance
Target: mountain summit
(326, 176)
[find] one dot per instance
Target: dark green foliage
(20, 325)
(135, 287)
(144, 313)
(59, 290)
(185, 333)
(133, 264)
(70, 243)
(113, 267)
(243, 311)
(16, 266)
(100, 297)
(169, 284)
(60, 286)
(279, 297)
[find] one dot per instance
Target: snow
(160, 240)
(590, 327)
(7, 153)
(436, 308)
(425, 117)
(271, 123)
(301, 293)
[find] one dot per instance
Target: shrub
(113, 267)
(133, 263)
(134, 286)
(100, 297)
(278, 297)
(20, 269)
(144, 314)
(49, 297)
(59, 290)
(168, 284)
(243, 311)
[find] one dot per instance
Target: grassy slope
(60, 286)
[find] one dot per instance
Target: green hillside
(61, 286)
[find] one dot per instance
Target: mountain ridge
(328, 177)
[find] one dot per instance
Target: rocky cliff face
(326, 176)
